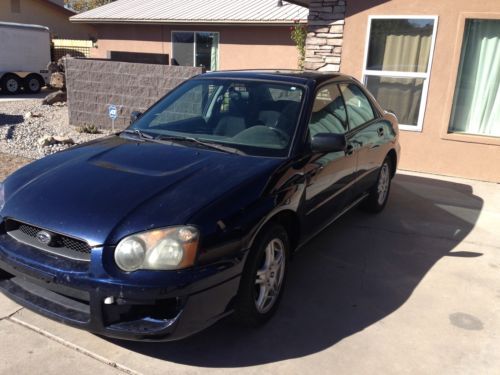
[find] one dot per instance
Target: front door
(328, 175)
(368, 132)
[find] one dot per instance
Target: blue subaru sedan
(193, 212)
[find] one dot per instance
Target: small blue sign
(113, 112)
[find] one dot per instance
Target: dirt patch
(10, 163)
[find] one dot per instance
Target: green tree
(84, 5)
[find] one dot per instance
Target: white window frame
(194, 44)
(397, 74)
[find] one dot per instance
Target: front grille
(60, 244)
(29, 230)
(76, 245)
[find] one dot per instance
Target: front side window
(329, 113)
(257, 118)
(397, 66)
(359, 109)
(476, 106)
(196, 49)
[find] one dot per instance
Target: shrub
(299, 35)
(88, 129)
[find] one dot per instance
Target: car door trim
(338, 192)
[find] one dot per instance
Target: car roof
(296, 76)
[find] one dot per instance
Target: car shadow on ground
(6, 120)
(355, 273)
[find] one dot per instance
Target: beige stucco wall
(433, 150)
(241, 47)
(46, 14)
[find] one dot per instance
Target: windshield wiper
(206, 144)
(178, 138)
(139, 133)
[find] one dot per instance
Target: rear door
(328, 175)
(368, 133)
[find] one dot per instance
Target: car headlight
(2, 195)
(160, 249)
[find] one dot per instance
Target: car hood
(116, 186)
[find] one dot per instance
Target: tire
(379, 193)
(262, 285)
(33, 84)
(11, 84)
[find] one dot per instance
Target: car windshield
(252, 117)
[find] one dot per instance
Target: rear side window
(359, 109)
(329, 113)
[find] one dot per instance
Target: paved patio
(415, 290)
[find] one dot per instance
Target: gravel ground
(23, 123)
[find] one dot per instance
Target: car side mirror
(134, 116)
(328, 142)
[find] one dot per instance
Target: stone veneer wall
(93, 85)
(325, 35)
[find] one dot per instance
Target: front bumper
(162, 307)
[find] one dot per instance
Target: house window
(15, 6)
(476, 106)
(196, 49)
(398, 63)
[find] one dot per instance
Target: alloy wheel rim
(12, 85)
(269, 278)
(383, 184)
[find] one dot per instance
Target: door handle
(349, 149)
(380, 132)
(315, 171)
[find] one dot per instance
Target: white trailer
(24, 56)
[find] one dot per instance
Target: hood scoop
(147, 159)
(141, 171)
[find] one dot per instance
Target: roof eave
(304, 3)
(187, 22)
(60, 8)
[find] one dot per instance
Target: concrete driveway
(415, 290)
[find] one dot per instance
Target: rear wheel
(33, 84)
(11, 84)
(263, 279)
(379, 193)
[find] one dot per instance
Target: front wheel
(379, 194)
(263, 279)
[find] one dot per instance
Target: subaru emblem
(44, 237)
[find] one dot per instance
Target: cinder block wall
(93, 85)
